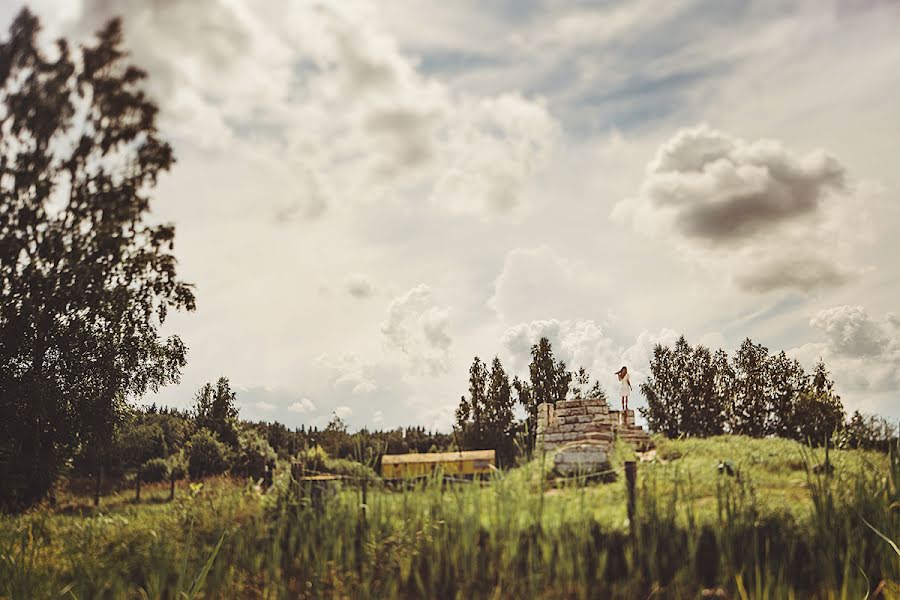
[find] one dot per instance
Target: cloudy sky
(368, 194)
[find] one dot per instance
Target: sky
(369, 194)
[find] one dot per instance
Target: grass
(773, 531)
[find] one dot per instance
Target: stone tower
(582, 433)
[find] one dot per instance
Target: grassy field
(774, 530)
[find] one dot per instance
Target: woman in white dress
(625, 384)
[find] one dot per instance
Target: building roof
(437, 457)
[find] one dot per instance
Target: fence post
(630, 481)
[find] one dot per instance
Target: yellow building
(460, 464)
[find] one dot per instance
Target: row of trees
(153, 444)
(486, 417)
(696, 392)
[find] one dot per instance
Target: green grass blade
(198, 582)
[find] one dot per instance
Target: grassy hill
(774, 530)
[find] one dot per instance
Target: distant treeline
(692, 391)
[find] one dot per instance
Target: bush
(312, 459)
(177, 467)
(254, 453)
(155, 470)
(207, 456)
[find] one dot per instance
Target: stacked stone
(574, 420)
(625, 429)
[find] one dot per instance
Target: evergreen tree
(819, 410)
(500, 422)
(750, 407)
(215, 410)
(787, 380)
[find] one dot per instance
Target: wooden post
(365, 506)
(137, 492)
(630, 481)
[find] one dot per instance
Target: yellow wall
(418, 469)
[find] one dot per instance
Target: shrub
(155, 470)
(312, 459)
(253, 454)
(207, 456)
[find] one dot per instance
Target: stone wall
(570, 421)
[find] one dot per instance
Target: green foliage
(86, 279)
(687, 391)
(819, 416)
(177, 466)
(693, 392)
(207, 456)
(868, 432)
(136, 444)
(215, 411)
(253, 455)
(155, 470)
(485, 420)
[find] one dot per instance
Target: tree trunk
(172, 488)
(137, 493)
(98, 482)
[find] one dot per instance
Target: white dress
(626, 386)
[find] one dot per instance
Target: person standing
(625, 385)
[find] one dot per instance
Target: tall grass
(511, 538)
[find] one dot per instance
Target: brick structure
(583, 431)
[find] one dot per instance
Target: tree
(688, 390)
(253, 456)
(138, 443)
(86, 280)
(500, 421)
(819, 411)
(472, 413)
(581, 379)
(869, 432)
(215, 410)
(207, 456)
(549, 383)
(787, 380)
(704, 409)
(750, 408)
(663, 389)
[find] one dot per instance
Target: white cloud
(772, 219)
(538, 283)
(264, 406)
(304, 405)
(420, 330)
(322, 99)
(862, 352)
(343, 412)
(377, 418)
(585, 343)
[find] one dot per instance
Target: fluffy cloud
(537, 283)
(264, 406)
(852, 332)
(321, 98)
(772, 218)
(350, 371)
(862, 352)
(343, 412)
(585, 343)
(304, 405)
(420, 330)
